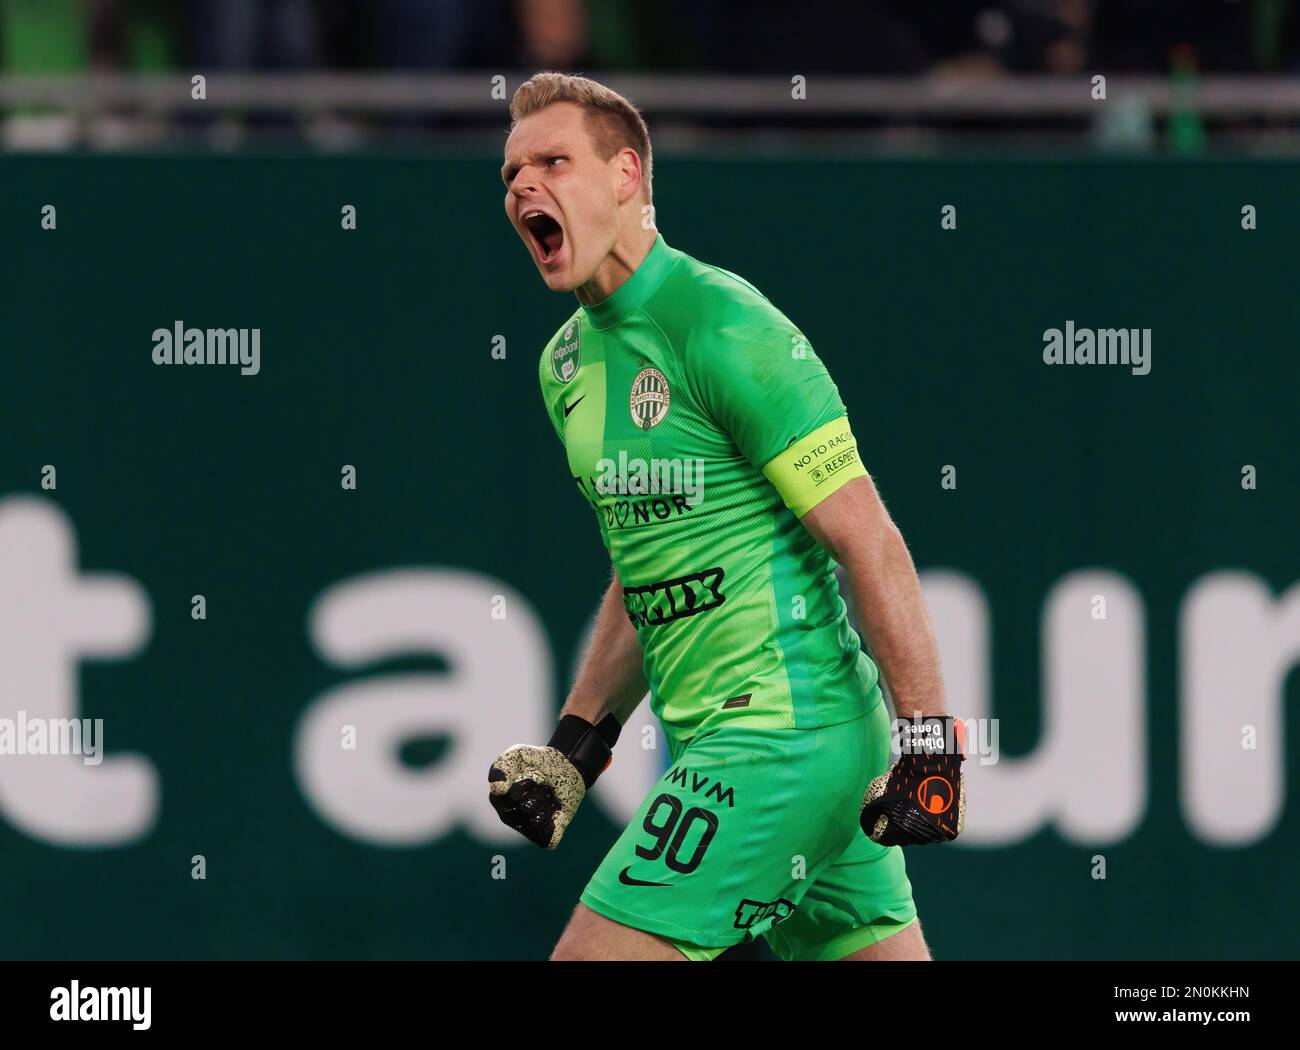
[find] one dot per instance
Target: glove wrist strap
(931, 735)
(589, 747)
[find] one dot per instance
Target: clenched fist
(537, 790)
(923, 798)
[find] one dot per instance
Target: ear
(629, 173)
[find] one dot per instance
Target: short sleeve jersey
(700, 426)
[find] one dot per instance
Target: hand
(923, 798)
(537, 790)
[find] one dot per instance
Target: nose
(524, 184)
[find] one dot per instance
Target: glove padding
(922, 799)
(537, 790)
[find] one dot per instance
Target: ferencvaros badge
(649, 400)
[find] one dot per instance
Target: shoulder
(719, 319)
(715, 295)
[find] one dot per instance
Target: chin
(559, 282)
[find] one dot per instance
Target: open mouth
(546, 234)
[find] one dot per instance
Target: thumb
(506, 768)
(876, 790)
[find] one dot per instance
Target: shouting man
(717, 455)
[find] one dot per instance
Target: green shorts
(755, 831)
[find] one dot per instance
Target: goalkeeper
(718, 458)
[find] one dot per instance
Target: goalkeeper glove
(536, 790)
(923, 798)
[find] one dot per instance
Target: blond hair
(614, 123)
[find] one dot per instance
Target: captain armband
(816, 466)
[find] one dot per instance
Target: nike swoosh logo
(570, 408)
(627, 879)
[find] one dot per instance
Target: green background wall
(376, 351)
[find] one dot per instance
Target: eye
(551, 161)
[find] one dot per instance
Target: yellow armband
(815, 466)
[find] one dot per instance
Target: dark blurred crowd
(867, 37)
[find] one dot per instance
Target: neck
(629, 251)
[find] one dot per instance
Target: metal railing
(478, 94)
(343, 111)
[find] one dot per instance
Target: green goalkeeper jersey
(700, 426)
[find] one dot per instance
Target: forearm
(611, 679)
(536, 790)
(891, 611)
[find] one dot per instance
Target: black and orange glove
(536, 790)
(923, 798)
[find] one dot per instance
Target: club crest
(650, 399)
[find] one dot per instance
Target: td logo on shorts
(749, 913)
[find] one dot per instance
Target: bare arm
(610, 680)
(856, 530)
(537, 790)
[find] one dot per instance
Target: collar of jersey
(633, 292)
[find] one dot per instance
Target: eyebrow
(510, 170)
